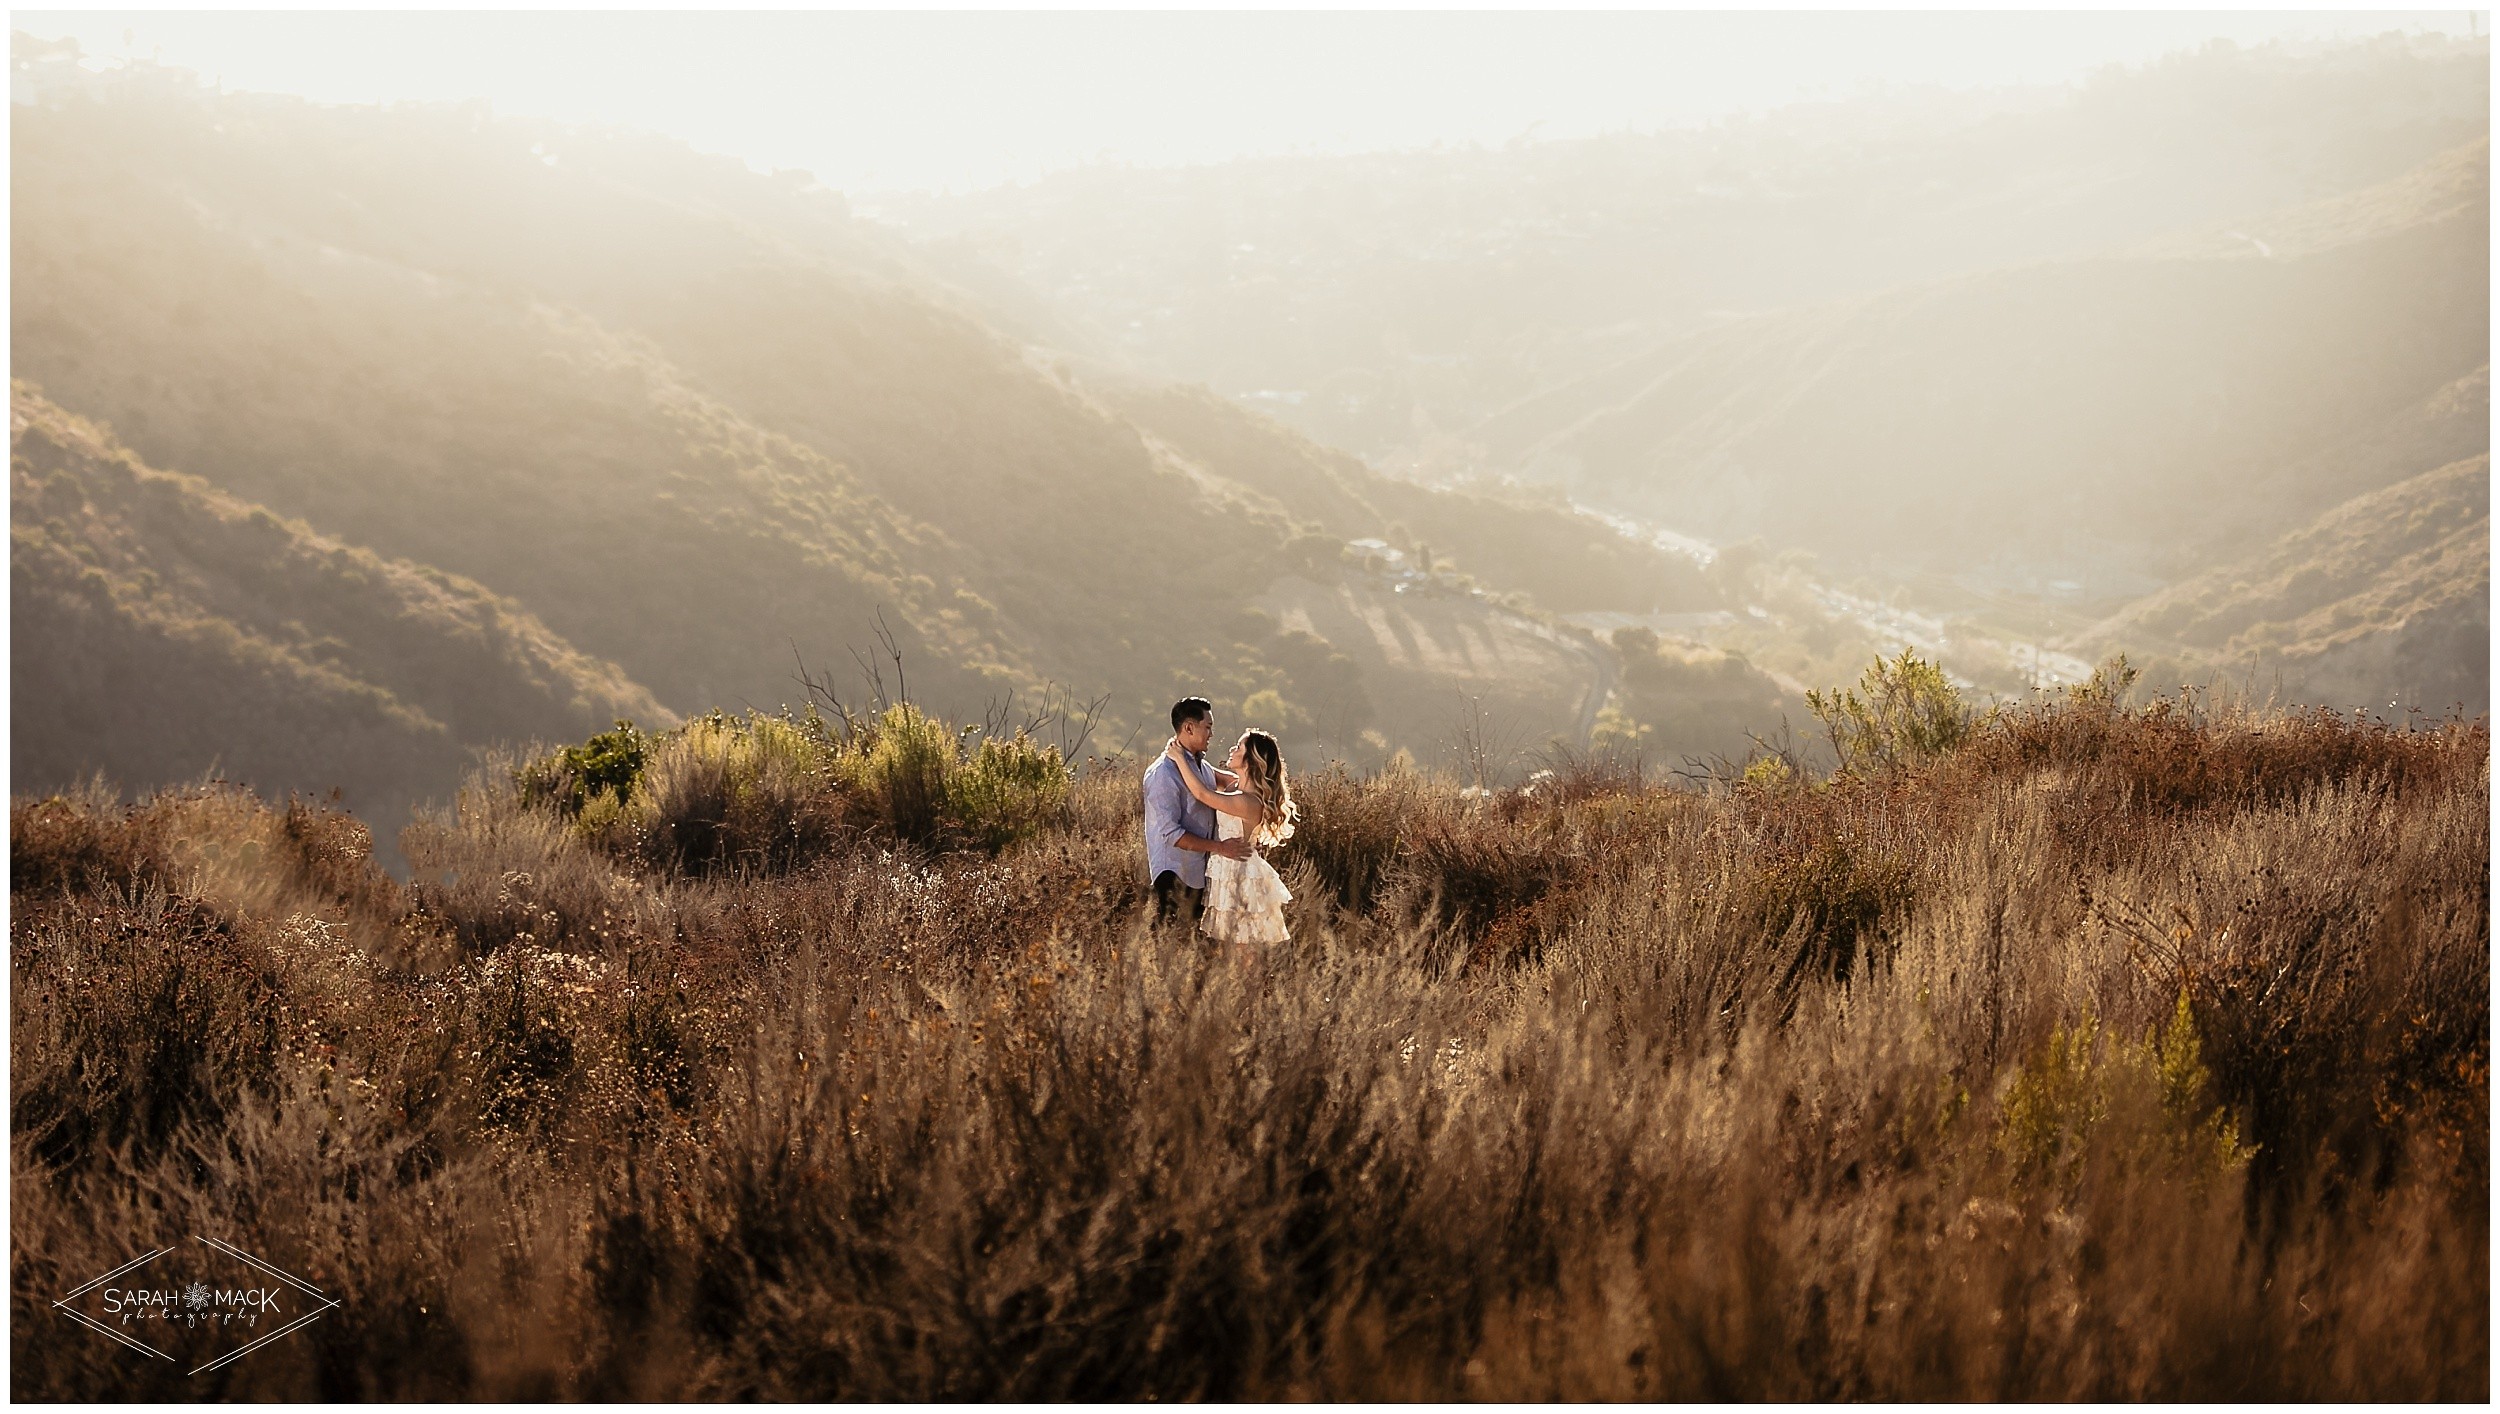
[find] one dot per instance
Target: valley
(1475, 436)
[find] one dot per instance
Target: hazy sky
(931, 100)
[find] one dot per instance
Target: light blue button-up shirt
(1171, 811)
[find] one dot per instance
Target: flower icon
(213, 1320)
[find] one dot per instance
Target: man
(1180, 833)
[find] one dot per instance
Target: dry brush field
(2116, 1053)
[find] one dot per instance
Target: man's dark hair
(1191, 709)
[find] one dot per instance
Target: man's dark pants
(1174, 899)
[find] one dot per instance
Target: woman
(1246, 898)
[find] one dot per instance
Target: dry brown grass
(1607, 1091)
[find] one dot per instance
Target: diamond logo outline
(322, 1303)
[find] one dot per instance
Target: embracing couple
(1205, 827)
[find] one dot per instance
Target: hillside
(1385, 302)
(161, 628)
(1425, 549)
(1566, 561)
(2107, 421)
(259, 301)
(1976, 370)
(2384, 600)
(2451, 424)
(2452, 183)
(692, 417)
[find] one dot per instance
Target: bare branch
(1082, 727)
(996, 714)
(885, 637)
(874, 675)
(820, 689)
(1485, 749)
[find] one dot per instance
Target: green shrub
(1903, 711)
(2109, 687)
(1615, 730)
(770, 792)
(1766, 773)
(752, 792)
(1006, 791)
(610, 763)
(902, 773)
(2086, 1097)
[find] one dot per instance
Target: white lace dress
(1246, 898)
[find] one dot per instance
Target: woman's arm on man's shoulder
(1245, 807)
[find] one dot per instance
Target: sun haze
(937, 101)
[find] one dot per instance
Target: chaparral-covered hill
(1978, 370)
(163, 627)
(692, 419)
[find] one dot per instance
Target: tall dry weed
(2118, 1053)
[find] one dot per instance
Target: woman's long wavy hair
(1263, 773)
